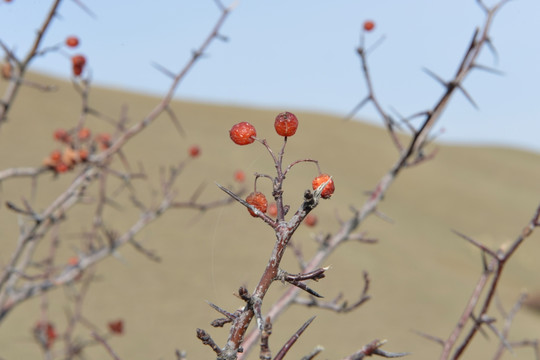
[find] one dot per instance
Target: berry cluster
(285, 125)
(74, 152)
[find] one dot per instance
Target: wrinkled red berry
(243, 133)
(328, 189)
(257, 200)
(286, 124)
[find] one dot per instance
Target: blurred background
(301, 55)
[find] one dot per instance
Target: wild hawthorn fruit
(116, 327)
(311, 220)
(194, 151)
(84, 134)
(286, 124)
(62, 136)
(243, 133)
(369, 25)
(257, 200)
(272, 209)
(45, 334)
(78, 62)
(61, 168)
(328, 189)
(55, 156)
(104, 140)
(72, 41)
(239, 176)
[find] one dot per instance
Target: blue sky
(301, 55)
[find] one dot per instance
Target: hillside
(422, 274)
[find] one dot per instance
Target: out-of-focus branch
(492, 271)
(97, 167)
(20, 67)
(373, 348)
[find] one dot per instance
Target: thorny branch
(410, 154)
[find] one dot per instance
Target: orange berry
(55, 156)
(243, 133)
(72, 41)
(311, 220)
(272, 209)
(369, 25)
(61, 168)
(257, 200)
(74, 260)
(84, 134)
(194, 151)
(328, 189)
(239, 176)
(286, 124)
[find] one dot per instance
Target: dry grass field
(422, 274)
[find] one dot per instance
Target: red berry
(310, 220)
(78, 62)
(55, 156)
(104, 140)
(243, 133)
(194, 151)
(84, 134)
(369, 25)
(62, 136)
(272, 209)
(72, 41)
(258, 200)
(328, 189)
(73, 261)
(286, 124)
(116, 327)
(239, 176)
(61, 167)
(45, 334)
